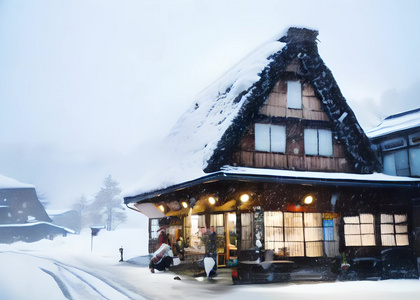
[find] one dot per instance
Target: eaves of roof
(348, 181)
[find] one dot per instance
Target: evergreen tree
(107, 208)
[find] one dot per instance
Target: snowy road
(30, 275)
(72, 282)
(66, 268)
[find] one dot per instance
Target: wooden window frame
(294, 90)
(355, 227)
(396, 226)
(318, 142)
(298, 237)
(271, 138)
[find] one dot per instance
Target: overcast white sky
(86, 87)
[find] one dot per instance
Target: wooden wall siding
(290, 162)
(315, 115)
(270, 160)
(294, 113)
(276, 104)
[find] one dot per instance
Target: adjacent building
(397, 141)
(22, 216)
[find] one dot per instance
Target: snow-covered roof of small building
(35, 224)
(204, 137)
(10, 183)
(395, 123)
(56, 212)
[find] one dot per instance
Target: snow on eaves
(194, 137)
(379, 177)
(10, 183)
(396, 123)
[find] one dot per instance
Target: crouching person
(162, 258)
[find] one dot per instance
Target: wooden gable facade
(310, 115)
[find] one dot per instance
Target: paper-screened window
(359, 230)
(270, 138)
(294, 94)
(154, 227)
(394, 230)
(246, 230)
(318, 142)
(294, 234)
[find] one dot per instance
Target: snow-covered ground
(66, 268)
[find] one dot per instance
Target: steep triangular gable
(301, 46)
(292, 119)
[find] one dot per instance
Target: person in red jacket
(162, 239)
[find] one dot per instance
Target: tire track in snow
(72, 280)
(102, 288)
(60, 283)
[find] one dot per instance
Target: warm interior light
(212, 200)
(308, 200)
(184, 204)
(162, 208)
(244, 198)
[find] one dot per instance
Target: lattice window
(313, 234)
(154, 226)
(294, 234)
(328, 230)
(394, 230)
(246, 230)
(359, 230)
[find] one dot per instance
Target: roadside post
(94, 232)
(121, 253)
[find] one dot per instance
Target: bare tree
(81, 205)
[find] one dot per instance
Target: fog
(89, 87)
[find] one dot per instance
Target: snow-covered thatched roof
(10, 183)
(395, 123)
(203, 139)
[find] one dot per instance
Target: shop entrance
(224, 225)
